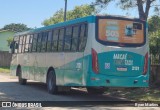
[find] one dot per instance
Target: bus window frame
(85, 34)
(30, 42)
(34, 42)
(58, 29)
(72, 25)
(79, 30)
(52, 42)
(61, 40)
(16, 44)
(39, 43)
(24, 41)
(71, 37)
(44, 34)
(21, 37)
(107, 43)
(27, 43)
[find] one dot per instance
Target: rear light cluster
(95, 61)
(145, 69)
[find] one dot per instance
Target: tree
(77, 12)
(9, 40)
(154, 23)
(16, 27)
(143, 6)
(154, 38)
(56, 18)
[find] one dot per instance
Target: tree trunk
(148, 5)
(144, 15)
(140, 10)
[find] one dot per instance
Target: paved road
(11, 90)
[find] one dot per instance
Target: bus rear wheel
(20, 79)
(51, 82)
(94, 90)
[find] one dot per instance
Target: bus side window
(60, 40)
(16, 44)
(44, 41)
(39, 42)
(83, 37)
(34, 43)
(49, 42)
(27, 43)
(75, 38)
(30, 43)
(67, 39)
(24, 44)
(55, 40)
(20, 44)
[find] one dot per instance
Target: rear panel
(119, 53)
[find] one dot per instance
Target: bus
(95, 52)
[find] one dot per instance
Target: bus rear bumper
(117, 81)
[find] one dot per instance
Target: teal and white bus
(95, 52)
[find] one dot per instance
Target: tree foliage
(143, 6)
(9, 40)
(154, 41)
(77, 12)
(154, 23)
(154, 38)
(16, 27)
(56, 18)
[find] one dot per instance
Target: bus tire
(92, 90)
(51, 82)
(20, 79)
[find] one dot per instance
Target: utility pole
(65, 11)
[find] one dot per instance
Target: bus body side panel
(73, 69)
(14, 60)
(35, 65)
(14, 63)
(77, 64)
(56, 61)
(87, 54)
(38, 65)
(22, 61)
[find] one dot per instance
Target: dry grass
(136, 94)
(4, 70)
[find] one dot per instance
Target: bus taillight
(94, 61)
(145, 64)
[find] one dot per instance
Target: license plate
(121, 69)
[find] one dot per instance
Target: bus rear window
(121, 31)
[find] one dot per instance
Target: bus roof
(90, 19)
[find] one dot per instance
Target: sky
(34, 12)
